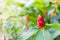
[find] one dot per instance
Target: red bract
(40, 22)
(27, 18)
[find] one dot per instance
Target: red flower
(40, 22)
(27, 18)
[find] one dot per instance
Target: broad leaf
(27, 34)
(45, 36)
(55, 26)
(55, 34)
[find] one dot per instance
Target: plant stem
(43, 34)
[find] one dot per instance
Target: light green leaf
(55, 34)
(46, 36)
(55, 26)
(8, 0)
(27, 34)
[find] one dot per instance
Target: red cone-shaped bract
(40, 22)
(27, 18)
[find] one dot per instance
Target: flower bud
(27, 18)
(40, 22)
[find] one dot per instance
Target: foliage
(13, 19)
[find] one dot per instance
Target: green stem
(43, 34)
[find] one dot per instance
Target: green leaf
(8, 0)
(55, 34)
(20, 4)
(27, 34)
(46, 36)
(55, 26)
